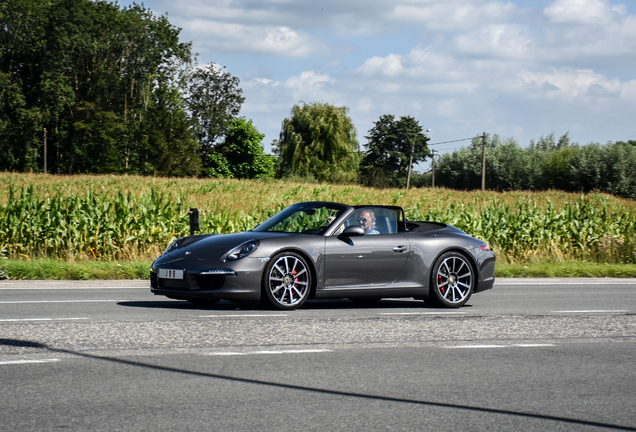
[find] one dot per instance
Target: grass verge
(49, 269)
(574, 269)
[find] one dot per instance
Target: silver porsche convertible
(327, 250)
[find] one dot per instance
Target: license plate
(170, 274)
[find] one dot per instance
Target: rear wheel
(287, 281)
(452, 281)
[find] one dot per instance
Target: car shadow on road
(317, 390)
(225, 305)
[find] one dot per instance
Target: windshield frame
(281, 216)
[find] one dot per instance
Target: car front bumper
(240, 281)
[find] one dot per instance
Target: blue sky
(521, 69)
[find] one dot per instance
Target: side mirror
(352, 231)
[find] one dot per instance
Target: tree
(241, 155)
(390, 145)
(508, 166)
(545, 164)
(89, 72)
(319, 141)
(169, 148)
(214, 99)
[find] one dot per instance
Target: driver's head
(366, 220)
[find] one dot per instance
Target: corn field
(129, 218)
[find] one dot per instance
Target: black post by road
(195, 220)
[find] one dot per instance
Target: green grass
(574, 269)
(50, 269)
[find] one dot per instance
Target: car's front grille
(174, 284)
(210, 281)
(206, 281)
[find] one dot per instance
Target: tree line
(114, 88)
(110, 89)
(547, 163)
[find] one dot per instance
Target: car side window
(374, 220)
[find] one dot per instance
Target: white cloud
(389, 66)
(508, 41)
(309, 85)
(570, 85)
(584, 12)
(452, 15)
(420, 64)
(276, 41)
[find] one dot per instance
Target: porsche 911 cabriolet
(327, 250)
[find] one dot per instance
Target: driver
(366, 221)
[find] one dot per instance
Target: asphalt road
(527, 355)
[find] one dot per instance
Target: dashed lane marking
(40, 319)
(497, 346)
(11, 362)
(238, 353)
(60, 301)
(422, 313)
(242, 315)
(591, 311)
(69, 288)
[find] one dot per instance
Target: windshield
(303, 218)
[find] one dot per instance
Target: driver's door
(369, 261)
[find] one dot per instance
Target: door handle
(399, 249)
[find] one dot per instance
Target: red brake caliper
(440, 281)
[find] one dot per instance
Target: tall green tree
(319, 141)
(241, 155)
(214, 100)
(391, 142)
(89, 72)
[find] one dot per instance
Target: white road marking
(568, 282)
(590, 311)
(237, 353)
(243, 315)
(422, 313)
(8, 362)
(498, 346)
(68, 288)
(41, 319)
(59, 301)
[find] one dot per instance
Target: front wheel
(287, 281)
(452, 281)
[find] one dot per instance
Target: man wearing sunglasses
(366, 221)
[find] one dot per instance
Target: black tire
(452, 281)
(203, 302)
(287, 281)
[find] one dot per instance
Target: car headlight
(242, 250)
(172, 246)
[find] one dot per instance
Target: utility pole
(483, 163)
(408, 176)
(45, 151)
(434, 152)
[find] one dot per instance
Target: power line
(446, 142)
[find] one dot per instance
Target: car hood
(214, 246)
